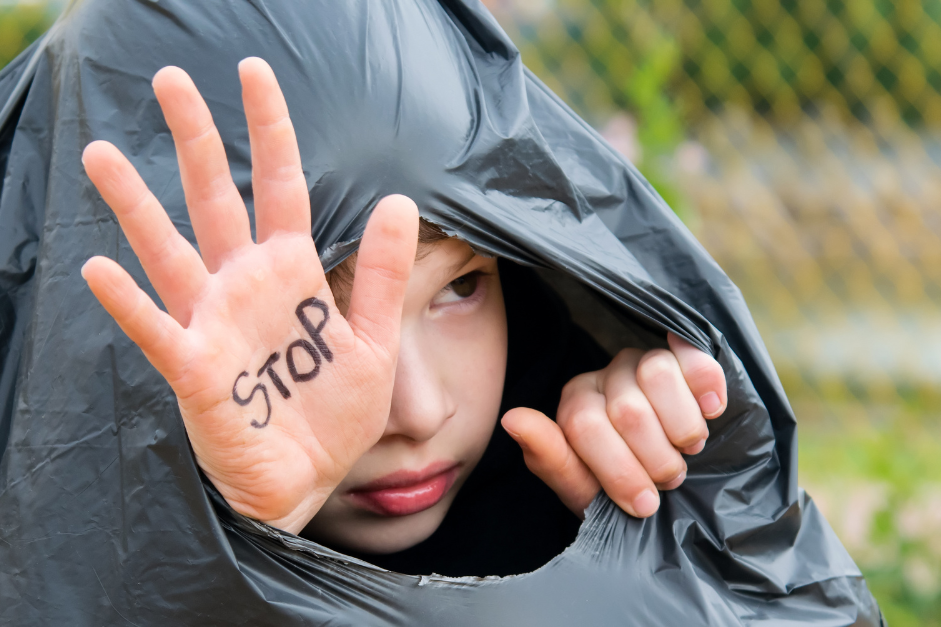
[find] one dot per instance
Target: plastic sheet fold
(104, 517)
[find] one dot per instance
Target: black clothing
(505, 520)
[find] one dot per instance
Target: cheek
(473, 362)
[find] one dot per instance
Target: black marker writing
(319, 347)
(278, 383)
(312, 351)
(310, 328)
(246, 401)
(316, 348)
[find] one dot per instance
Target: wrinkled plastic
(104, 518)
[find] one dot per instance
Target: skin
(392, 396)
(443, 409)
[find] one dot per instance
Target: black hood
(104, 518)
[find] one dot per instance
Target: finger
(215, 205)
(584, 421)
(383, 266)
(703, 374)
(282, 202)
(171, 263)
(157, 334)
(637, 423)
(662, 383)
(549, 457)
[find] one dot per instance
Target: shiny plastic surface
(104, 518)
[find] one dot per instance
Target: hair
(341, 277)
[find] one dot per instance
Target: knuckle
(627, 485)
(280, 121)
(568, 390)
(565, 414)
(162, 247)
(201, 131)
(562, 465)
(388, 273)
(657, 366)
(576, 397)
(579, 425)
(282, 173)
(555, 466)
(689, 436)
(577, 386)
(668, 470)
(137, 200)
(628, 411)
(704, 372)
(217, 189)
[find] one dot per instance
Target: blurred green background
(801, 143)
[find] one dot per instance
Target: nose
(421, 403)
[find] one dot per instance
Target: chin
(366, 532)
(400, 533)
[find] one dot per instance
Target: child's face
(445, 403)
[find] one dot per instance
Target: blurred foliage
(833, 232)
(780, 58)
(661, 126)
(801, 142)
(870, 485)
(20, 25)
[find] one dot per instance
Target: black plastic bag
(104, 518)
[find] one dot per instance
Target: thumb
(550, 457)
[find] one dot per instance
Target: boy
(356, 416)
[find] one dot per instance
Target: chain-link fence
(871, 59)
(812, 170)
(801, 142)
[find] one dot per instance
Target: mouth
(406, 491)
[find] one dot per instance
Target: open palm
(280, 394)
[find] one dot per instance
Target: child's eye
(459, 289)
(464, 286)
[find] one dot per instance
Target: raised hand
(280, 394)
(623, 428)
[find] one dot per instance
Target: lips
(406, 491)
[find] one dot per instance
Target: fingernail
(646, 503)
(83, 270)
(673, 483)
(710, 404)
